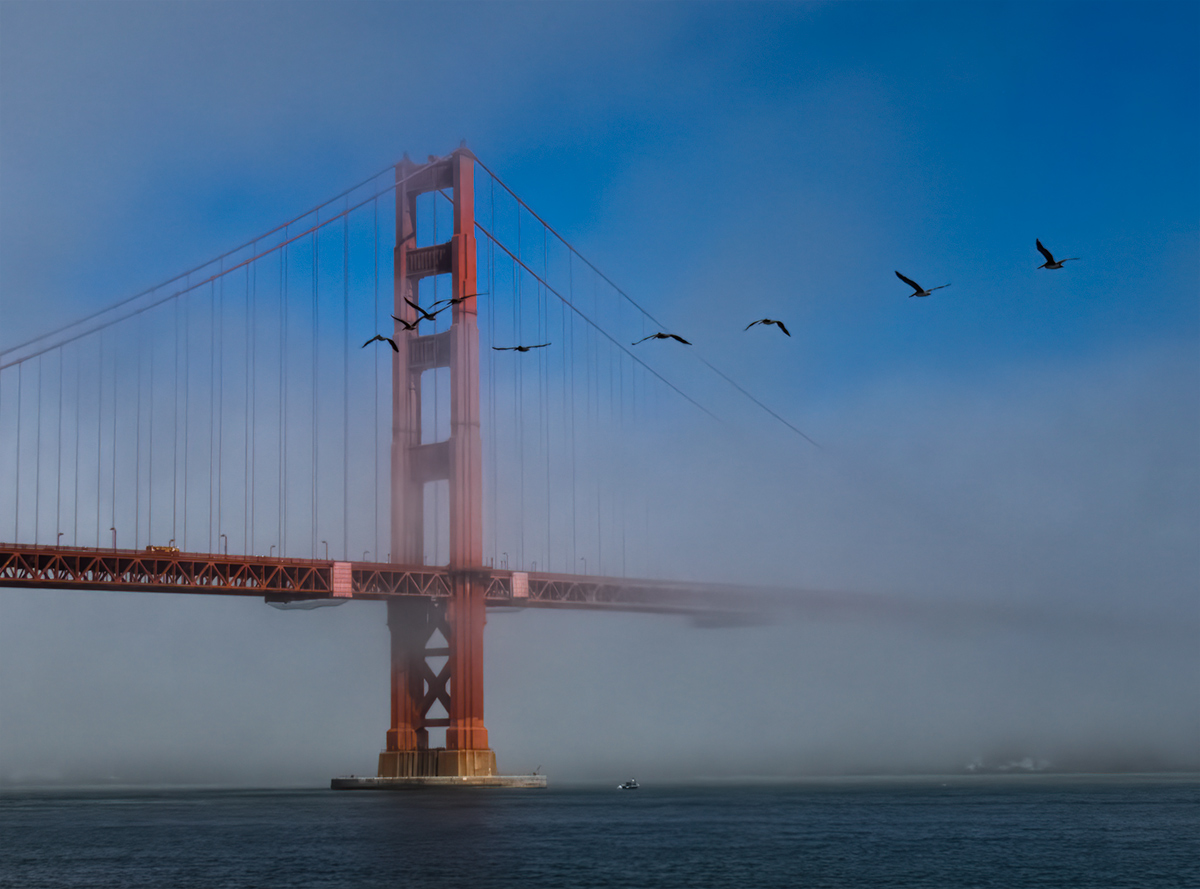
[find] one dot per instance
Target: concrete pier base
(432, 782)
(437, 762)
(436, 767)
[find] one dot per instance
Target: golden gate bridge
(224, 433)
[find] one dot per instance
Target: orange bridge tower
(416, 622)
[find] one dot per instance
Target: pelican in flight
(519, 348)
(453, 301)
(386, 339)
(1051, 262)
(425, 316)
(663, 336)
(407, 325)
(918, 290)
(765, 321)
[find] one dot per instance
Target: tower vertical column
(466, 737)
(408, 491)
(407, 618)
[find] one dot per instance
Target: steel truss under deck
(281, 579)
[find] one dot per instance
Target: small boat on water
(631, 784)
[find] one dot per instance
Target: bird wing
(939, 288)
(677, 337)
(1046, 253)
(371, 340)
(504, 348)
(391, 342)
(781, 327)
(752, 323)
(911, 283)
(643, 339)
(540, 346)
(418, 308)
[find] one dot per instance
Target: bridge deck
(282, 579)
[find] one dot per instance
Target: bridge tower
(413, 622)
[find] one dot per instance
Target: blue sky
(837, 142)
(1024, 433)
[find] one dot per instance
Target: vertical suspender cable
(78, 430)
(99, 430)
(212, 403)
(175, 423)
(252, 398)
(283, 282)
(37, 455)
(316, 258)
(544, 367)
(571, 409)
(150, 452)
(150, 468)
(520, 393)
(221, 410)
(137, 437)
(345, 382)
(492, 296)
(58, 474)
(187, 413)
(17, 481)
(116, 356)
(247, 486)
(375, 364)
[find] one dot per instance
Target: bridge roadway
(279, 579)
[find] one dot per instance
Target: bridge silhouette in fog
(225, 432)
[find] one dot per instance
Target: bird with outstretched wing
(1051, 262)
(918, 290)
(385, 339)
(663, 336)
(767, 321)
(519, 348)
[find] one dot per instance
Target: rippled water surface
(1129, 833)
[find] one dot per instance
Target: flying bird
(453, 301)
(425, 316)
(918, 290)
(407, 325)
(387, 339)
(663, 336)
(1051, 262)
(519, 348)
(765, 321)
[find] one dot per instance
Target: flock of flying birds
(918, 290)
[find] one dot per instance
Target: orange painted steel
(290, 580)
